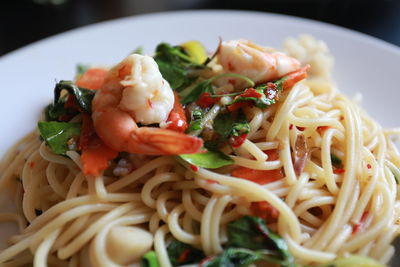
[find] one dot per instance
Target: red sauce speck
(341, 118)
(358, 227)
(251, 92)
(184, 255)
(322, 129)
(31, 164)
(290, 126)
(194, 167)
(273, 154)
(237, 141)
(232, 81)
(211, 181)
(338, 171)
(265, 211)
(369, 166)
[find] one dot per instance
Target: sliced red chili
(251, 92)
(265, 211)
(237, 141)
(206, 100)
(177, 120)
(237, 105)
(194, 167)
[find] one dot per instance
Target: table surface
(25, 21)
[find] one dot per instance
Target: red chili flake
(237, 141)
(322, 129)
(265, 211)
(358, 227)
(273, 154)
(31, 164)
(206, 100)
(184, 255)
(369, 166)
(338, 171)
(230, 67)
(341, 118)
(290, 126)
(272, 85)
(251, 92)
(237, 105)
(300, 128)
(211, 181)
(194, 167)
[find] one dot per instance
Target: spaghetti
(342, 200)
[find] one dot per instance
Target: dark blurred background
(26, 21)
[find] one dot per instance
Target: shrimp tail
(156, 141)
(295, 76)
(127, 136)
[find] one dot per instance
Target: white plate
(27, 76)
(363, 64)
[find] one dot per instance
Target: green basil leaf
(239, 257)
(81, 69)
(180, 253)
(83, 96)
(196, 116)
(149, 260)
(252, 233)
(138, 50)
(209, 159)
(175, 65)
(262, 102)
(57, 134)
(231, 124)
(54, 111)
(175, 75)
(279, 83)
(194, 126)
(194, 94)
(336, 161)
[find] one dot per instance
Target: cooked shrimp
(255, 62)
(135, 92)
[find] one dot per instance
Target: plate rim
(360, 36)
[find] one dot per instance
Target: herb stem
(210, 116)
(234, 75)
